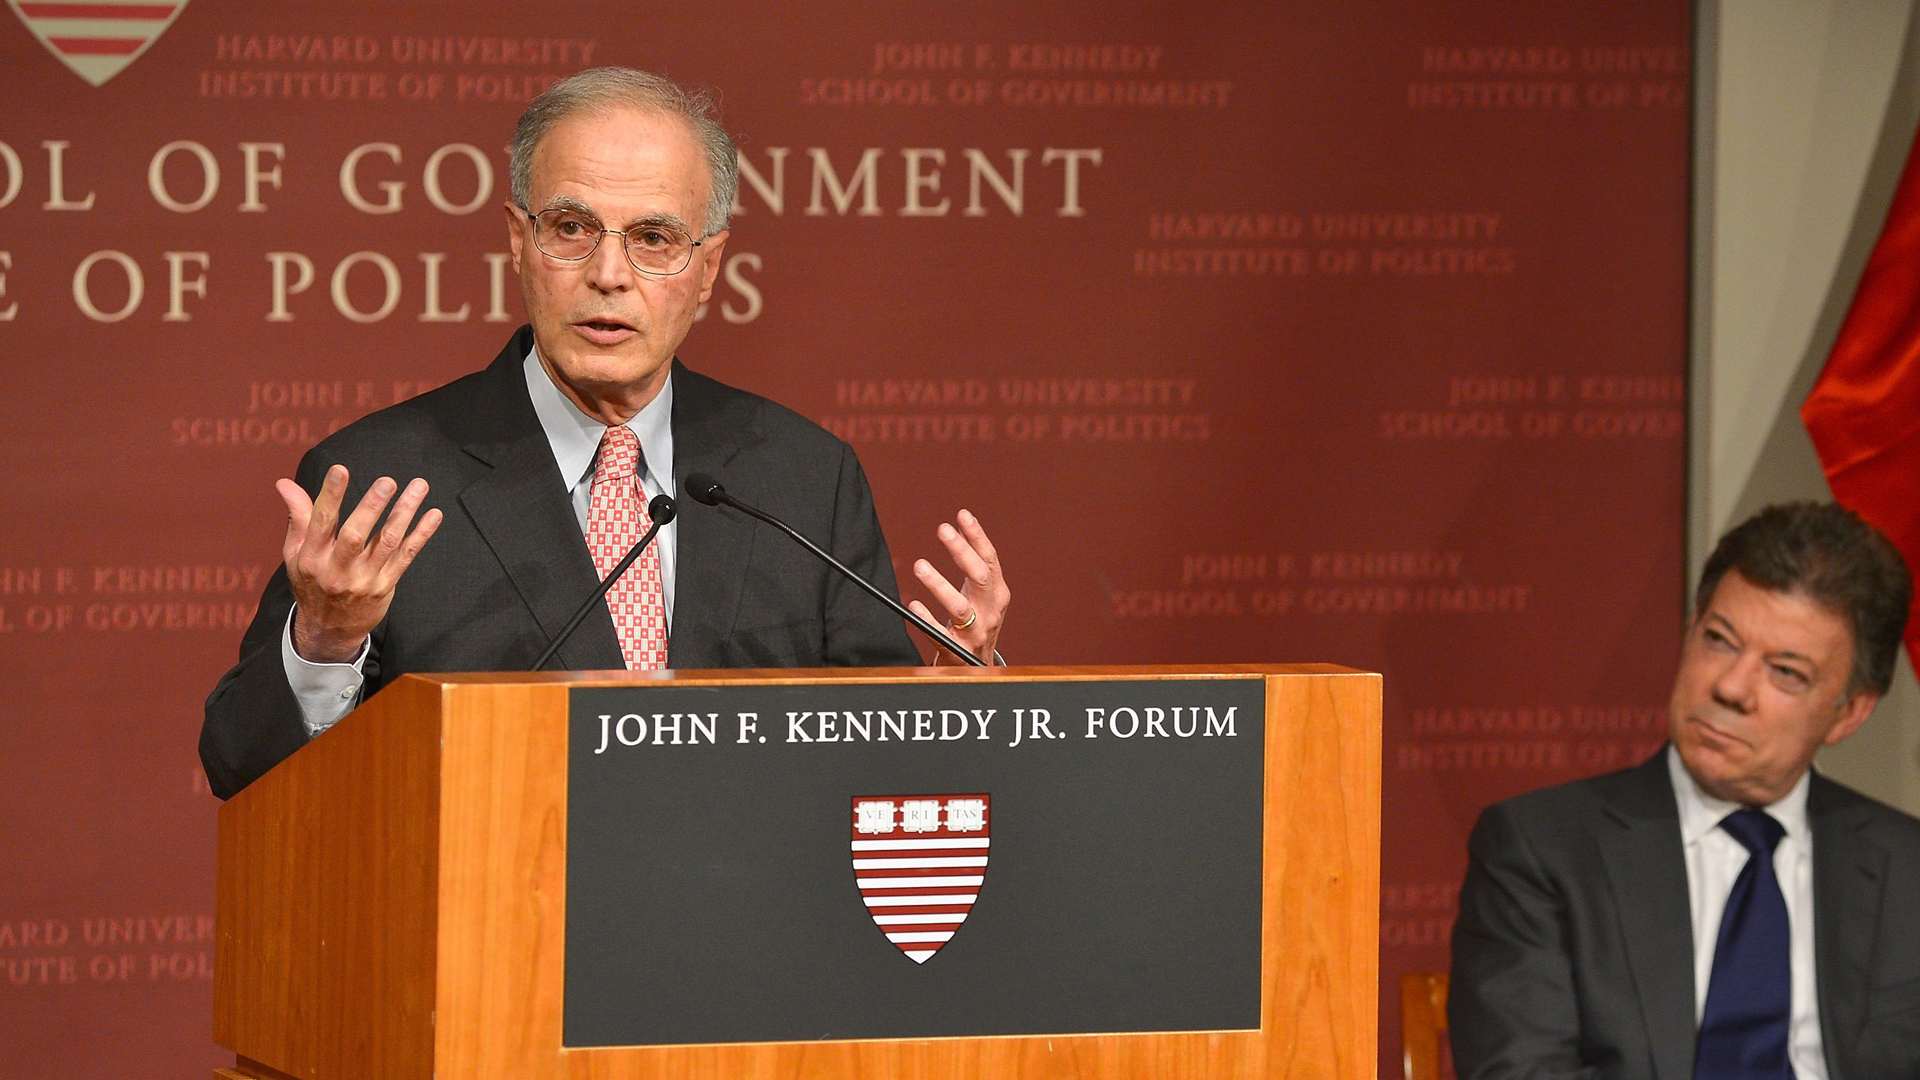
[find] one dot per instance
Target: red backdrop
(1274, 332)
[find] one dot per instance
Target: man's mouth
(1716, 735)
(604, 330)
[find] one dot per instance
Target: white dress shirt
(327, 692)
(1714, 860)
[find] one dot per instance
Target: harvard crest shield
(99, 38)
(918, 861)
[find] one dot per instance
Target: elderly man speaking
(527, 481)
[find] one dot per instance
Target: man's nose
(1737, 686)
(607, 268)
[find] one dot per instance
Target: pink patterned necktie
(616, 519)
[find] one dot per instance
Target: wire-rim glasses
(652, 247)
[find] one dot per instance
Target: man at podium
(1721, 911)
(531, 478)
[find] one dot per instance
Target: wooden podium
(391, 900)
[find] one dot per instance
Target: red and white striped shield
(918, 861)
(99, 38)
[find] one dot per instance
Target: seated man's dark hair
(1826, 553)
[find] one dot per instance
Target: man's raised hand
(977, 609)
(343, 573)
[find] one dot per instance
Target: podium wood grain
(392, 898)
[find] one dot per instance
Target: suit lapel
(713, 545)
(1849, 872)
(519, 507)
(1647, 871)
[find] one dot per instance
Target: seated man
(1619, 927)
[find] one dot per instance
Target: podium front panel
(756, 863)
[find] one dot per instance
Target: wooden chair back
(1423, 1025)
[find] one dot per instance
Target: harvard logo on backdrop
(918, 861)
(99, 39)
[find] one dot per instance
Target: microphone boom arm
(717, 494)
(661, 510)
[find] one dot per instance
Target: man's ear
(515, 235)
(715, 246)
(1853, 712)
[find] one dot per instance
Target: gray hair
(606, 88)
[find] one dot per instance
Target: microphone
(661, 510)
(708, 492)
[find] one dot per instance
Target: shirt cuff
(326, 692)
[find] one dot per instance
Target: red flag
(1864, 412)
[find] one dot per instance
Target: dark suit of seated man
(1618, 926)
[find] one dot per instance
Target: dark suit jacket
(509, 565)
(1573, 953)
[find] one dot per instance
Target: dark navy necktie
(1743, 1031)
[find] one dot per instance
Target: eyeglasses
(652, 248)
